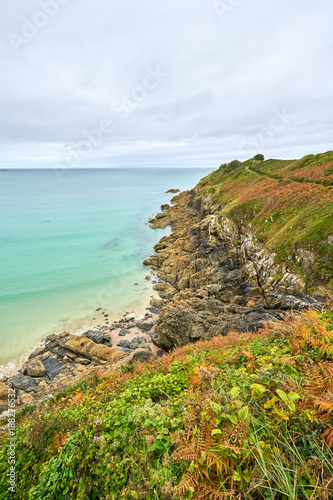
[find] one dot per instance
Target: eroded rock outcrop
(215, 277)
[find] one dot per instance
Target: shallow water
(74, 241)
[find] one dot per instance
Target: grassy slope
(289, 204)
(239, 414)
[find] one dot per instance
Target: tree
(259, 158)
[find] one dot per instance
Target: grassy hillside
(244, 416)
(287, 203)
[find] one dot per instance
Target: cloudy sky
(169, 83)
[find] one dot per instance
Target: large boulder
(85, 347)
(98, 337)
(23, 382)
(52, 367)
(35, 368)
(4, 391)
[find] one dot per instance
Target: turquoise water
(74, 241)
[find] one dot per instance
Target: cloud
(220, 80)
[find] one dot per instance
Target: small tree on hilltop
(259, 157)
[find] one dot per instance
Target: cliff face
(215, 277)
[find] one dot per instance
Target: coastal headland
(251, 244)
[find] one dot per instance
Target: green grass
(230, 415)
(289, 204)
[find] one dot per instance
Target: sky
(179, 83)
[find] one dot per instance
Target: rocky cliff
(215, 277)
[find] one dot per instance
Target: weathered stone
(52, 366)
(142, 355)
(136, 342)
(85, 347)
(82, 361)
(35, 368)
(36, 352)
(123, 332)
(98, 337)
(218, 275)
(4, 391)
(144, 326)
(124, 343)
(154, 310)
(23, 382)
(27, 399)
(129, 317)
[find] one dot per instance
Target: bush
(259, 157)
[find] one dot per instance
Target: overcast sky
(163, 83)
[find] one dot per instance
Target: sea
(72, 244)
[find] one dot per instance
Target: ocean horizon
(73, 241)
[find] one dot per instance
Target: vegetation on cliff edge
(287, 204)
(247, 416)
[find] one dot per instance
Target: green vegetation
(289, 204)
(243, 416)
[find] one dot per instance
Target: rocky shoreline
(64, 359)
(215, 277)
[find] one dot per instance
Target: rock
(36, 352)
(147, 277)
(305, 258)
(173, 190)
(82, 361)
(51, 338)
(124, 343)
(144, 326)
(137, 342)
(97, 336)
(23, 382)
(35, 368)
(165, 207)
(26, 399)
(125, 350)
(4, 391)
(160, 353)
(154, 310)
(87, 348)
(52, 366)
(142, 355)
(123, 332)
(67, 360)
(157, 303)
(129, 317)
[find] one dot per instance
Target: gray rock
(124, 343)
(142, 355)
(160, 353)
(136, 342)
(154, 310)
(122, 349)
(23, 382)
(144, 326)
(123, 332)
(53, 367)
(99, 337)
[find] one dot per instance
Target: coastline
(208, 283)
(97, 322)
